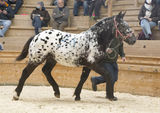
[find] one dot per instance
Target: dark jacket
(43, 13)
(9, 15)
(60, 16)
(155, 14)
(117, 49)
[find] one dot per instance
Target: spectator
(18, 4)
(77, 4)
(6, 14)
(55, 2)
(95, 6)
(40, 17)
(60, 16)
(111, 65)
(148, 17)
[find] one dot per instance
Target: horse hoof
(57, 95)
(77, 99)
(15, 97)
(113, 99)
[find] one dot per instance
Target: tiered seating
(139, 75)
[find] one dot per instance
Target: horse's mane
(104, 31)
(106, 19)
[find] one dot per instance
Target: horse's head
(122, 29)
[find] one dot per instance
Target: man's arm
(66, 14)
(9, 12)
(47, 17)
(55, 14)
(121, 52)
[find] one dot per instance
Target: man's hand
(41, 18)
(1, 11)
(149, 19)
(5, 12)
(109, 50)
(123, 59)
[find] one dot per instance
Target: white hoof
(15, 96)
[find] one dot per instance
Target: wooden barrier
(139, 75)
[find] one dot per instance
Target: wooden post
(109, 8)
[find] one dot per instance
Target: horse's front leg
(84, 76)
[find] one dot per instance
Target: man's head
(40, 5)
(61, 3)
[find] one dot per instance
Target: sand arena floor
(40, 99)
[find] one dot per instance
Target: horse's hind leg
(47, 68)
(25, 74)
(84, 76)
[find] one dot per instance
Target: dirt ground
(40, 99)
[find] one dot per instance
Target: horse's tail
(24, 52)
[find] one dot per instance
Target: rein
(117, 33)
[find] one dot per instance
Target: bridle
(118, 31)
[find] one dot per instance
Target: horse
(86, 49)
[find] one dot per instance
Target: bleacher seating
(139, 75)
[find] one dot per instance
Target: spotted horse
(86, 49)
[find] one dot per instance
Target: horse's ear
(120, 15)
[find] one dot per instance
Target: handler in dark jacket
(115, 49)
(6, 14)
(148, 17)
(60, 16)
(40, 17)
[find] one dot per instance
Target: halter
(118, 31)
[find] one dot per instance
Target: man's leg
(97, 8)
(91, 8)
(18, 5)
(6, 24)
(76, 7)
(55, 25)
(146, 28)
(37, 23)
(63, 25)
(97, 80)
(85, 7)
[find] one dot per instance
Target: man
(95, 6)
(77, 4)
(40, 17)
(111, 64)
(148, 17)
(6, 14)
(60, 16)
(18, 3)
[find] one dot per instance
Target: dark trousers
(37, 23)
(18, 5)
(95, 6)
(77, 4)
(112, 68)
(60, 26)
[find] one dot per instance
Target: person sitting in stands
(18, 3)
(6, 14)
(60, 16)
(55, 2)
(77, 4)
(148, 17)
(95, 5)
(40, 17)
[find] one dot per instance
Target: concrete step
(75, 21)
(13, 43)
(143, 48)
